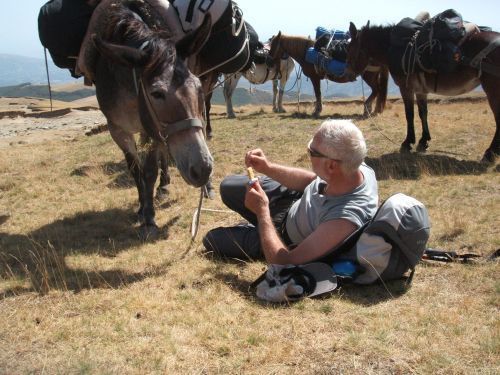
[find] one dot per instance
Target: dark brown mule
(296, 47)
(143, 86)
(373, 44)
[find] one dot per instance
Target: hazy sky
(19, 32)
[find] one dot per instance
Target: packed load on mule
(329, 52)
(65, 28)
(430, 44)
(61, 27)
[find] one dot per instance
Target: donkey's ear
(352, 30)
(368, 24)
(120, 54)
(194, 41)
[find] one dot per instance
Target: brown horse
(143, 86)
(296, 46)
(374, 43)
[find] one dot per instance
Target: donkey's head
(357, 58)
(169, 97)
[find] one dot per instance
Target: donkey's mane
(376, 35)
(123, 26)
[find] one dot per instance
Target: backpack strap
(345, 246)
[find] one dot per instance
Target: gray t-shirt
(314, 208)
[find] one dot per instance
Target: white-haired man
(295, 215)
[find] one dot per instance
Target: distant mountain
(15, 70)
(42, 91)
(18, 72)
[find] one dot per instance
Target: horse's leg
(382, 82)
(162, 190)
(229, 86)
(276, 108)
(317, 92)
(127, 144)
(409, 101)
(423, 144)
(281, 91)
(491, 86)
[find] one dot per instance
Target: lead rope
(48, 77)
(373, 122)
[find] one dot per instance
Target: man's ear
(332, 165)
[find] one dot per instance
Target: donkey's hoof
(405, 148)
(161, 193)
(209, 193)
(489, 157)
(149, 232)
(422, 147)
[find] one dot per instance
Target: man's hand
(257, 160)
(256, 199)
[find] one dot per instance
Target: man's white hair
(343, 140)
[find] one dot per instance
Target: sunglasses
(316, 154)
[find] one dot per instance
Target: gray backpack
(393, 242)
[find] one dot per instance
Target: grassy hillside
(81, 293)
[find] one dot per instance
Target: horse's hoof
(209, 136)
(276, 110)
(149, 232)
(281, 110)
(230, 116)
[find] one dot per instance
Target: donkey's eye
(158, 95)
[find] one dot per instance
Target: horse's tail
(382, 83)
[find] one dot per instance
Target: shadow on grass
(412, 166)
(40, 256)
(307, 115)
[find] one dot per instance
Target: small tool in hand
(251, 177)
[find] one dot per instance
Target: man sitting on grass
(297, 216)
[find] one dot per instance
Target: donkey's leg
(409, 101)
(127, 144)
(229, 87)
(150, 174)
(208, 105)
(371, 79)
(382, 82)
(423, 144)
(316, 82)
(162, 190)
(491, 86)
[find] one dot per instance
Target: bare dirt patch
(30, 120)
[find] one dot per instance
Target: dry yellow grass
(80, 293)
